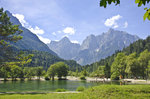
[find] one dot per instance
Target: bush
(115, 76)
(80, 88)
(61, 90)
(47, 78)
(82, 78)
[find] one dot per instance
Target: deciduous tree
(119, 65)
(104, 3)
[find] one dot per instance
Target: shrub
(61, 90)
(82, 78)
(47, 78)
(115, 76)
(80, 88)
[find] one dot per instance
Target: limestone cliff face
(93, 47)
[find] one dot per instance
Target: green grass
(99, 92)
(60, 90)
(118, 92)
(80, 88)
(41, 96)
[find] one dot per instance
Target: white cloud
(111, 22)
(44, 40)
(36, 30)
(115, 26)
(54, 33)
(69, 30)
(59, 31)
(24, 23)
(56, 40)
(74, 41)
(21, 19)
(126, 24)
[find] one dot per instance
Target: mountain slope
(64, 48)
(30, 41)
(95, 48)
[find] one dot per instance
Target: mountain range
(93, 48)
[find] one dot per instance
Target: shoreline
(91, 79)
(1, 93)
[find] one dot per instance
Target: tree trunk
(5, 79)
(52, 78)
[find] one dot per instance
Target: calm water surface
(19, 86)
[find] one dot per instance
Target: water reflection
(47, 85)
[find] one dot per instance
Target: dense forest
(46, 59)
(136, 48)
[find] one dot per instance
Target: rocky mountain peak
(65, 40)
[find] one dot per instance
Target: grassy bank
(99, 92)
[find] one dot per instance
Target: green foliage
(107, 71)
(80, 88)
(84, 73)
(61, 90)
(82, 78)
(132, 68)
(131, 65)
(15, 71)
(29, 72)
(103, 3)
(119, 65)
(47, 77)
(52, 70)
(147, 14)
(39, 71)
(143, 62)
(8, 33)
(5, 71)
(100, 72)
(60, 69)
(115, 76)
(46, 59)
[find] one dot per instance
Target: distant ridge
(93, 48)
(64, 48)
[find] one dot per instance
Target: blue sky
(76, 19)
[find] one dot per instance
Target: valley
(74, 50)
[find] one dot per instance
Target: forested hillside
(46, 59)
(138, 47)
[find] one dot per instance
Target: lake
(45, 86)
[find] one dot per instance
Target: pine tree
(8, 33)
